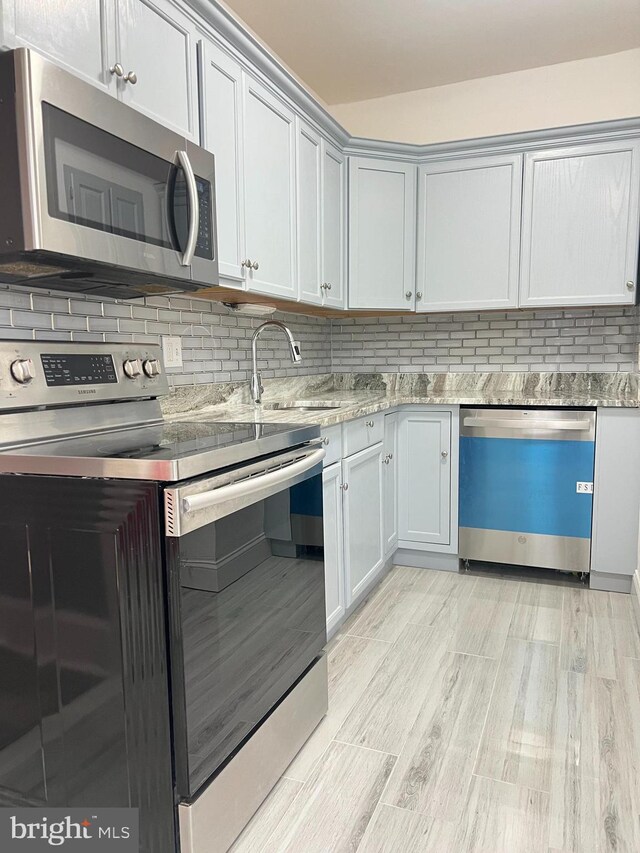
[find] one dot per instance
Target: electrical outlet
(172, 351)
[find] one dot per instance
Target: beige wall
(587, 90)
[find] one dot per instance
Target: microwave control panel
(204, 244)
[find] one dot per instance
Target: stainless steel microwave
(96, 197)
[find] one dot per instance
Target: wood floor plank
(538, 613)
(352, 663)
(503, 818)
(444, 601)
(388, 612)
(332, 810)
(271, 812)
(484, 622)
(595, 636)
(394, 830)
(518, 738)
(382, 717)
(433, 771)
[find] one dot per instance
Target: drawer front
(332, 442)
(363, 433)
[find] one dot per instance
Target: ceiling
(351, 50)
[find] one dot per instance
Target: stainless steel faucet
(294, 348)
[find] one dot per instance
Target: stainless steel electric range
(161, 596)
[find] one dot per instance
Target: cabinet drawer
(332, 441)
(363, 433)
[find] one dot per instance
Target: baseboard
(426, 560)
(610, 582)
(635, 595)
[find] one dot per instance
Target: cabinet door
(157, 43)
(469, 234)
(333, 557)
(309, 213)
(424, 477)
(390, 483)
(362, 503)
(334, 180)
(221, 112)
(580, 225)
(269, 185)
(382, 234)
(76, 34)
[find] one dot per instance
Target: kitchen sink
(304, 405)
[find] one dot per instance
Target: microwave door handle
(194, 207)
(246, 487)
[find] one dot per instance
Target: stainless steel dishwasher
(526, 486)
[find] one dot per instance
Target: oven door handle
(194, 208)
(234, 491)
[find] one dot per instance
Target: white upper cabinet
(269, 189)
(334, 182)
(580, 225)
(156, 44)
(141, 51)
(221, 118)
(382, 234)
(77, 34)
(469, 234)
(309, 153)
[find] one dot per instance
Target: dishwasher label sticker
(584, 488)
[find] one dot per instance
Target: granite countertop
(366, 394)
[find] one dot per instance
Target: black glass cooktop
(166, 451)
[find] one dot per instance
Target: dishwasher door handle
(525, 423)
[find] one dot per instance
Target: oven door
(246, 568)
(108, 185)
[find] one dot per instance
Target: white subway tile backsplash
(216, 344)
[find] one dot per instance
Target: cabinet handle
(117, 69)
(131, 77)
(630, 285)
(325, 441)
(409, 294)
(369, 423)
(444, 454)
(344, 486)
(418, 295)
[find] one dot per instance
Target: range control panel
(53, 374)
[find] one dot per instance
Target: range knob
(22, 370)
(151, 367)
(132, 368)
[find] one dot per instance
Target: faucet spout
(294, 350)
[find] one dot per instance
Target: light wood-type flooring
(470, 713)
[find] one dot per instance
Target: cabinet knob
(344, 486)
(409, 294)
(386, 459)
(444, 454)
(418, 295)
(325, 441)
(630, 285)
(131, 77)
(117, 69)
(391, 456)
(248, 264)
(328, 286)
(255, 265)
(369, 423)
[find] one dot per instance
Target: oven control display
(78, 369)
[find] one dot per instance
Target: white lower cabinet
(424, 478)
(333, 544)
(390, 484)
(362, 504)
